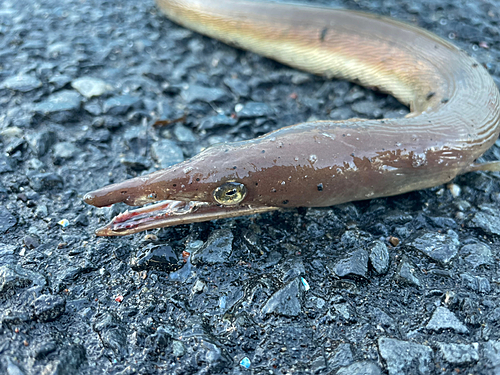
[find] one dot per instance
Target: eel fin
(492, 166)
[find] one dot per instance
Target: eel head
(218, 183)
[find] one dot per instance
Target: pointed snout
(134, 192)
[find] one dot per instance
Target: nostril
(88, 198)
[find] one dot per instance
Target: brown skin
(455, 115)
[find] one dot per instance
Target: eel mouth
(170, 213)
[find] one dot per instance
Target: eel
(454, 118)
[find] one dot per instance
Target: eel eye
(230, 193)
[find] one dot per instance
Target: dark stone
(237, 86)
(255, 109)
(216, 121)
(68, 274)
(15, 278)
(166, 152)
(488, 219)
(93, 108)
(41, 182)
(15, 145)
(491, 354)
(42, 350)
(196, 93)
(381, 317)
(360, 368)
(99, 136)
(338, 114)
(341, 357)
(12, 318)
(68, 361)
(477, 254)
(6, 164)
(136, 162)
(7, 254)
(346, 312)
(442, 318)
(7, 220)
(21, 83)
(120, 105)
(217, 249)
(82, 219)
(367, 108)
(405, 358)
(406, 274)
(48, 308)
(459, 353)
(159, 340)
(112, 333)
(354, 238)
(379, 257)
(157, 257)
(31, 242)
(65, 100)
(58, 81)
(184, 134)
(42, 141)
(355, 265)
(476, 283)
(286, 301)
(14, 368)
(438, 246)
(214, 356)
(65, 150)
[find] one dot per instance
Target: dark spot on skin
(352, 154)
(445, 100)
(475, 65)
(285, 201)
(343, 135)
(323, 34)
(263, 151)
(430, 95)
(320, 187)
(234, 167)
(273, 190)
(226, 150)
(256, 184)
(197, 179)
(174, 185)
(123, 192)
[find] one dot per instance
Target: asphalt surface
(402, 285)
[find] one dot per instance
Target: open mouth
(170, 213)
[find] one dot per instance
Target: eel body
(454, 119)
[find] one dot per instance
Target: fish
(454, 118)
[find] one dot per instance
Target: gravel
(400, 285)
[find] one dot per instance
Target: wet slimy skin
(454, 119)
